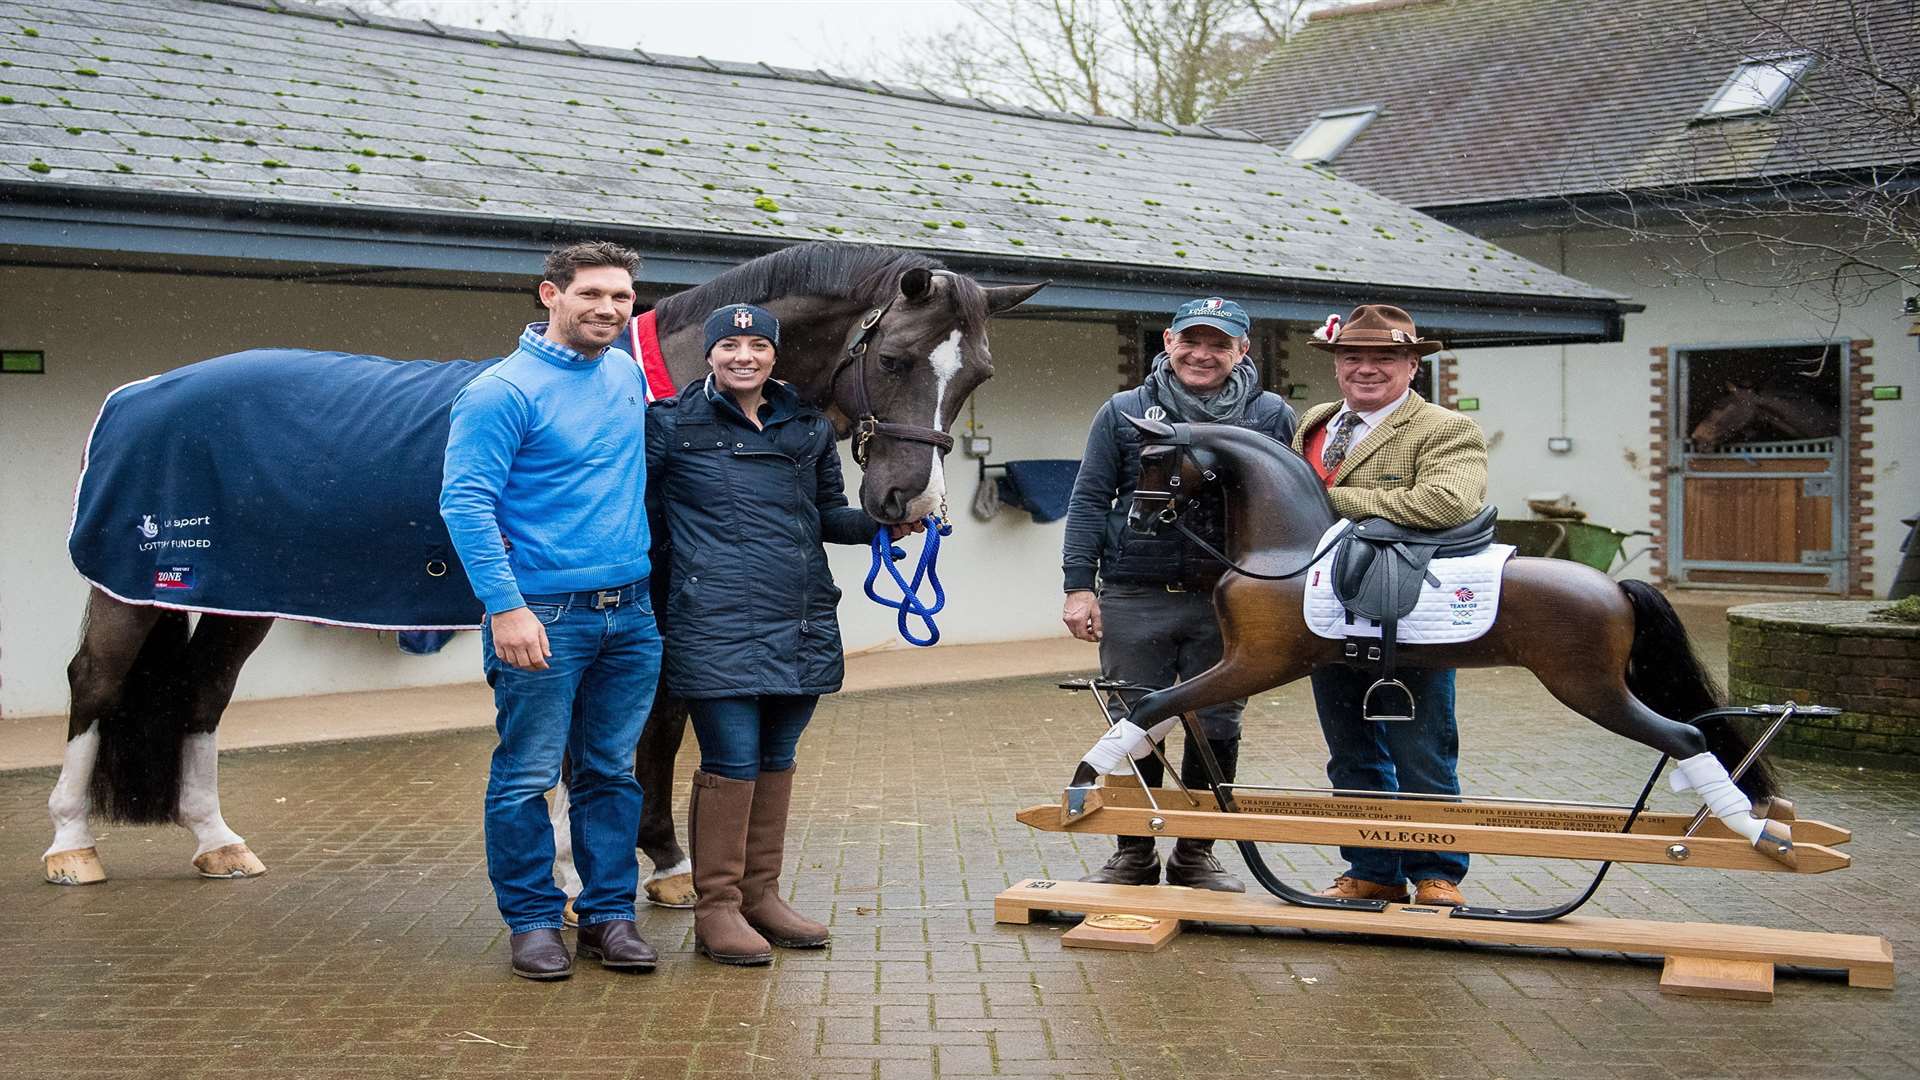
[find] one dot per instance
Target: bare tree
(1832, 217)
(1166, 60)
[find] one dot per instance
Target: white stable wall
(1604, 391)
(102, 329)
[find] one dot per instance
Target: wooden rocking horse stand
(1705, 959)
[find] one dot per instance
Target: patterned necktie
(1339, 442)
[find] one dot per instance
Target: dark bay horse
(1747, 414)
(1613, 652)
(148, 692)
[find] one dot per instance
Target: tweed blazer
(1424, 467)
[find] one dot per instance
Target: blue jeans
(588, 707)
(741, 737)
(1374, 755)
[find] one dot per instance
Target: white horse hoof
(231, 861)
(76, 866)
(672, 887)
(569, 917)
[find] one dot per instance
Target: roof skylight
(1330, 133)
(1757, 86)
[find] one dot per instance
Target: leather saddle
(1377, 573)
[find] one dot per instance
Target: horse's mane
(859, 272)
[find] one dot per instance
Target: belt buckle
(1176, 587)
(606, 598)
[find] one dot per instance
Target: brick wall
(1831, 653)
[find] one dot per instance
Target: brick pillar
(1131, 367)
(1446, 378)
(1658, 453)
(1859, 403)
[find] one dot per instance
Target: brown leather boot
(761, 903)
(1348, 887)
(717, 824)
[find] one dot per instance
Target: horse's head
(1172, 471)
(1728, 420)
(903, 379)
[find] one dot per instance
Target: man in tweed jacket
(1384, 451)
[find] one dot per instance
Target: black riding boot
(1192, 863)
(1134, 863)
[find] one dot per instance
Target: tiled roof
(1495, 100)
(289, 104)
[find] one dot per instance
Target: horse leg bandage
(1704, 775)
(1126, 740)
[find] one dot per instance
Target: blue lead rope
(910, 604)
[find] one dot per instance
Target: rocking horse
(1614, 652)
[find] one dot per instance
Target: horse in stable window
(318, 479)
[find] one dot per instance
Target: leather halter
(866, 424)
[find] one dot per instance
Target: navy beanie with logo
(737, 319)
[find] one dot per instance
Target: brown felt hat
(1373, 326)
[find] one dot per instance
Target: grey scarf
(1243, 382)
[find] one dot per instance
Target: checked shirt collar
(534, 340)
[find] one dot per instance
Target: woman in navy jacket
(743, 488)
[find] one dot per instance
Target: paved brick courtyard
(372, 948)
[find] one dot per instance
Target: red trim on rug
(643, 333)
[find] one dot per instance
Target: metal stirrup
(1366, 702)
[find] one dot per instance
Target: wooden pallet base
(1690, 948)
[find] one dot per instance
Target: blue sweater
(548, 448)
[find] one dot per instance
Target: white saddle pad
(1461, 609)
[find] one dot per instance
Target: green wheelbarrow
(1580, 541)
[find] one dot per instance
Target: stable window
(1757, 86)
(1330, 133)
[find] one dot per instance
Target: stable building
(181, 179)
(1743, 171)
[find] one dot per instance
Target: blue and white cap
(737, 319)
(1223, 315)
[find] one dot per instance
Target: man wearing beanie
(1148, 600)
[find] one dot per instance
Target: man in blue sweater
(542, 492)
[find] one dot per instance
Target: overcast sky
(839, 35)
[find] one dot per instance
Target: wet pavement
(372, 947)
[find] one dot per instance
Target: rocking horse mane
(859, 272)
(1299, 485)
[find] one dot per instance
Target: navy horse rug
(296, 484)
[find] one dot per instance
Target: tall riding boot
(761, 903)
(717, 824)
(1192, 863)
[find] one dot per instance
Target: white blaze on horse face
(68, 805)
(199, 808)
(946, 363)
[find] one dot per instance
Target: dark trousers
(742, 737)
(1374, 755)
(1157, 638)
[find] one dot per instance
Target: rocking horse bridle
(1181, 438)
(867, 426)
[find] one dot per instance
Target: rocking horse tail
(137, 777)
(1665, 673)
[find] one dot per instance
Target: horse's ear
(1152, 429)
(1006, 297)
(917, 283)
